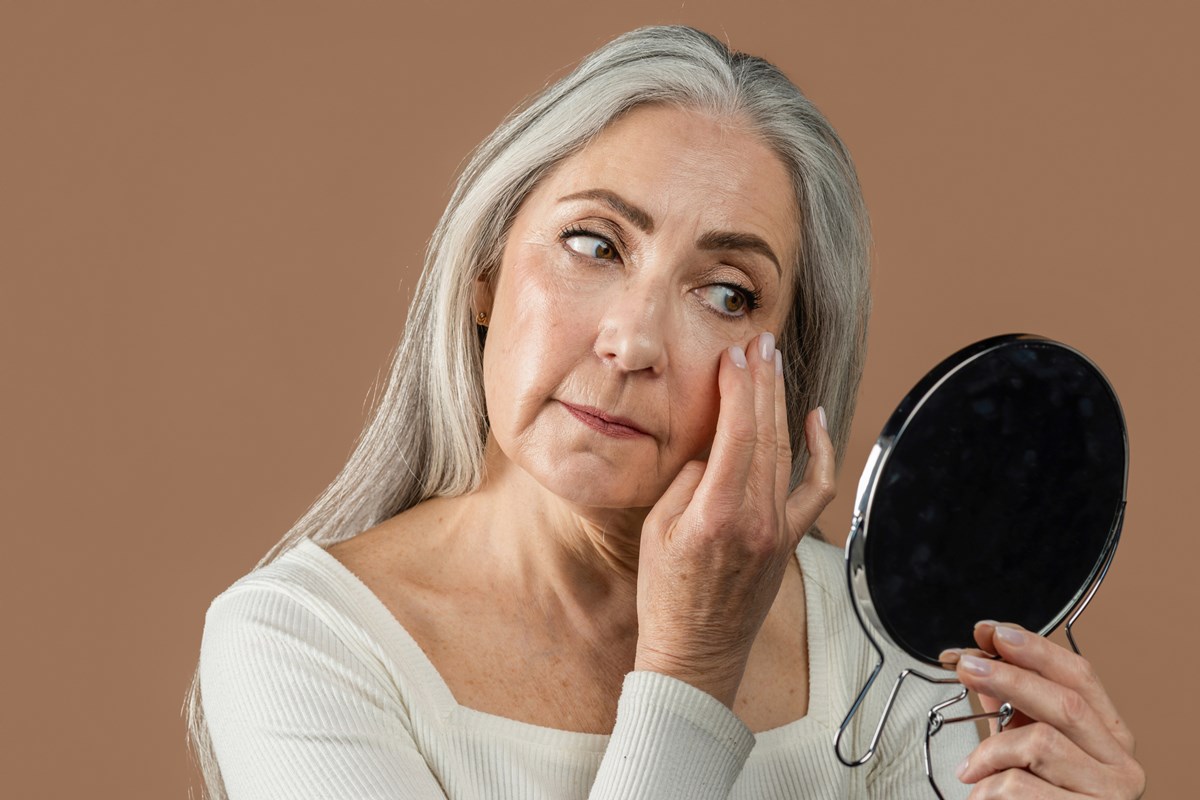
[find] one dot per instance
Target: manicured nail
(766, 346)
(950, 656)
(976, 666)
(778, 363)
(823, 419)
(738, 355)
(1010, 635)
(991, 622)
(961, 769)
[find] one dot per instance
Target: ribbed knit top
(312, 689)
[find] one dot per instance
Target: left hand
(1065, 739)
(715, 546)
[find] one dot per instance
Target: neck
(581, 560)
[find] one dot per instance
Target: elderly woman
(568, 556)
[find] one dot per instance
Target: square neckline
(399, 644)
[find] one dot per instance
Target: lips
(609, 425)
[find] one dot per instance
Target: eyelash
(752, 297)
(570, 232)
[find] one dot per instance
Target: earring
(481, 327)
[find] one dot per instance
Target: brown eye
(726, 300)
(592, 246)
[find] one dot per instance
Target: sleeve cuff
(671, 740)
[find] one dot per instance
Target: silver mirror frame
(856, 575)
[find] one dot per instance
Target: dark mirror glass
(999, 489)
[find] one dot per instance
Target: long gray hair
(426, 435)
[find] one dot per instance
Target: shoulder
(824, 568)
(296, 641)
(294, 579)
(304, 688)
(298, 612)
(823, 560)
(405, 554)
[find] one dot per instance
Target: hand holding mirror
(995, 491)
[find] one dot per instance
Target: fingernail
(991, 622)
(961, 769)
(1010, 635)
(821, 416)
(766, 346)
(778, 363)
(738, 355)
(975, 665)
(950, 655)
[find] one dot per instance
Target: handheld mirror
(995, 491)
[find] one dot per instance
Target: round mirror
(996, 491)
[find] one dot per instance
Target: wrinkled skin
(628, 307)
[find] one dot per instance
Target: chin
(597, 485)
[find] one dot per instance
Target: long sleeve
(312, 689)
(295, 713)
(671, 740)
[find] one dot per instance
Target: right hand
(715, 546)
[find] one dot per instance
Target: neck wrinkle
(574, 561)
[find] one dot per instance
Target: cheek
(539, 334)
(545, 320)
(695, 399)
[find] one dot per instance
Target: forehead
(692, 172)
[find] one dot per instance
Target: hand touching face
(626, 274)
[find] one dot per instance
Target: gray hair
(427, 433)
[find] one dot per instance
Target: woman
(571, 562)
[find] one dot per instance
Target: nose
(632, 334)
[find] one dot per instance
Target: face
(626, 273)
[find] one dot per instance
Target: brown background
(212, 214)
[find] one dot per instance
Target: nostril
(633, 353)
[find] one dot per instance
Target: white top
(312, 689)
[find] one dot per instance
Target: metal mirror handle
(936, 719)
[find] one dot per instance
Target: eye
(586, 243)
(728, 299)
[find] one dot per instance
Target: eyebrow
(712, 240)
(727, 240)
(618, 204)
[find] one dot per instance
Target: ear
(482, 300)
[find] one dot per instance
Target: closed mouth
(594, 418)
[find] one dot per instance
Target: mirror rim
(886, 444)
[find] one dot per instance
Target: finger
(1019, 646)
(1039, 749)
(761, 490)
(816, 488)
(1017, 783)
(783, 442)
(950, 656)
(733, 443)
(1042, 700)
(987, 649)
(984, 630)
(678, 495)
(949, 659)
